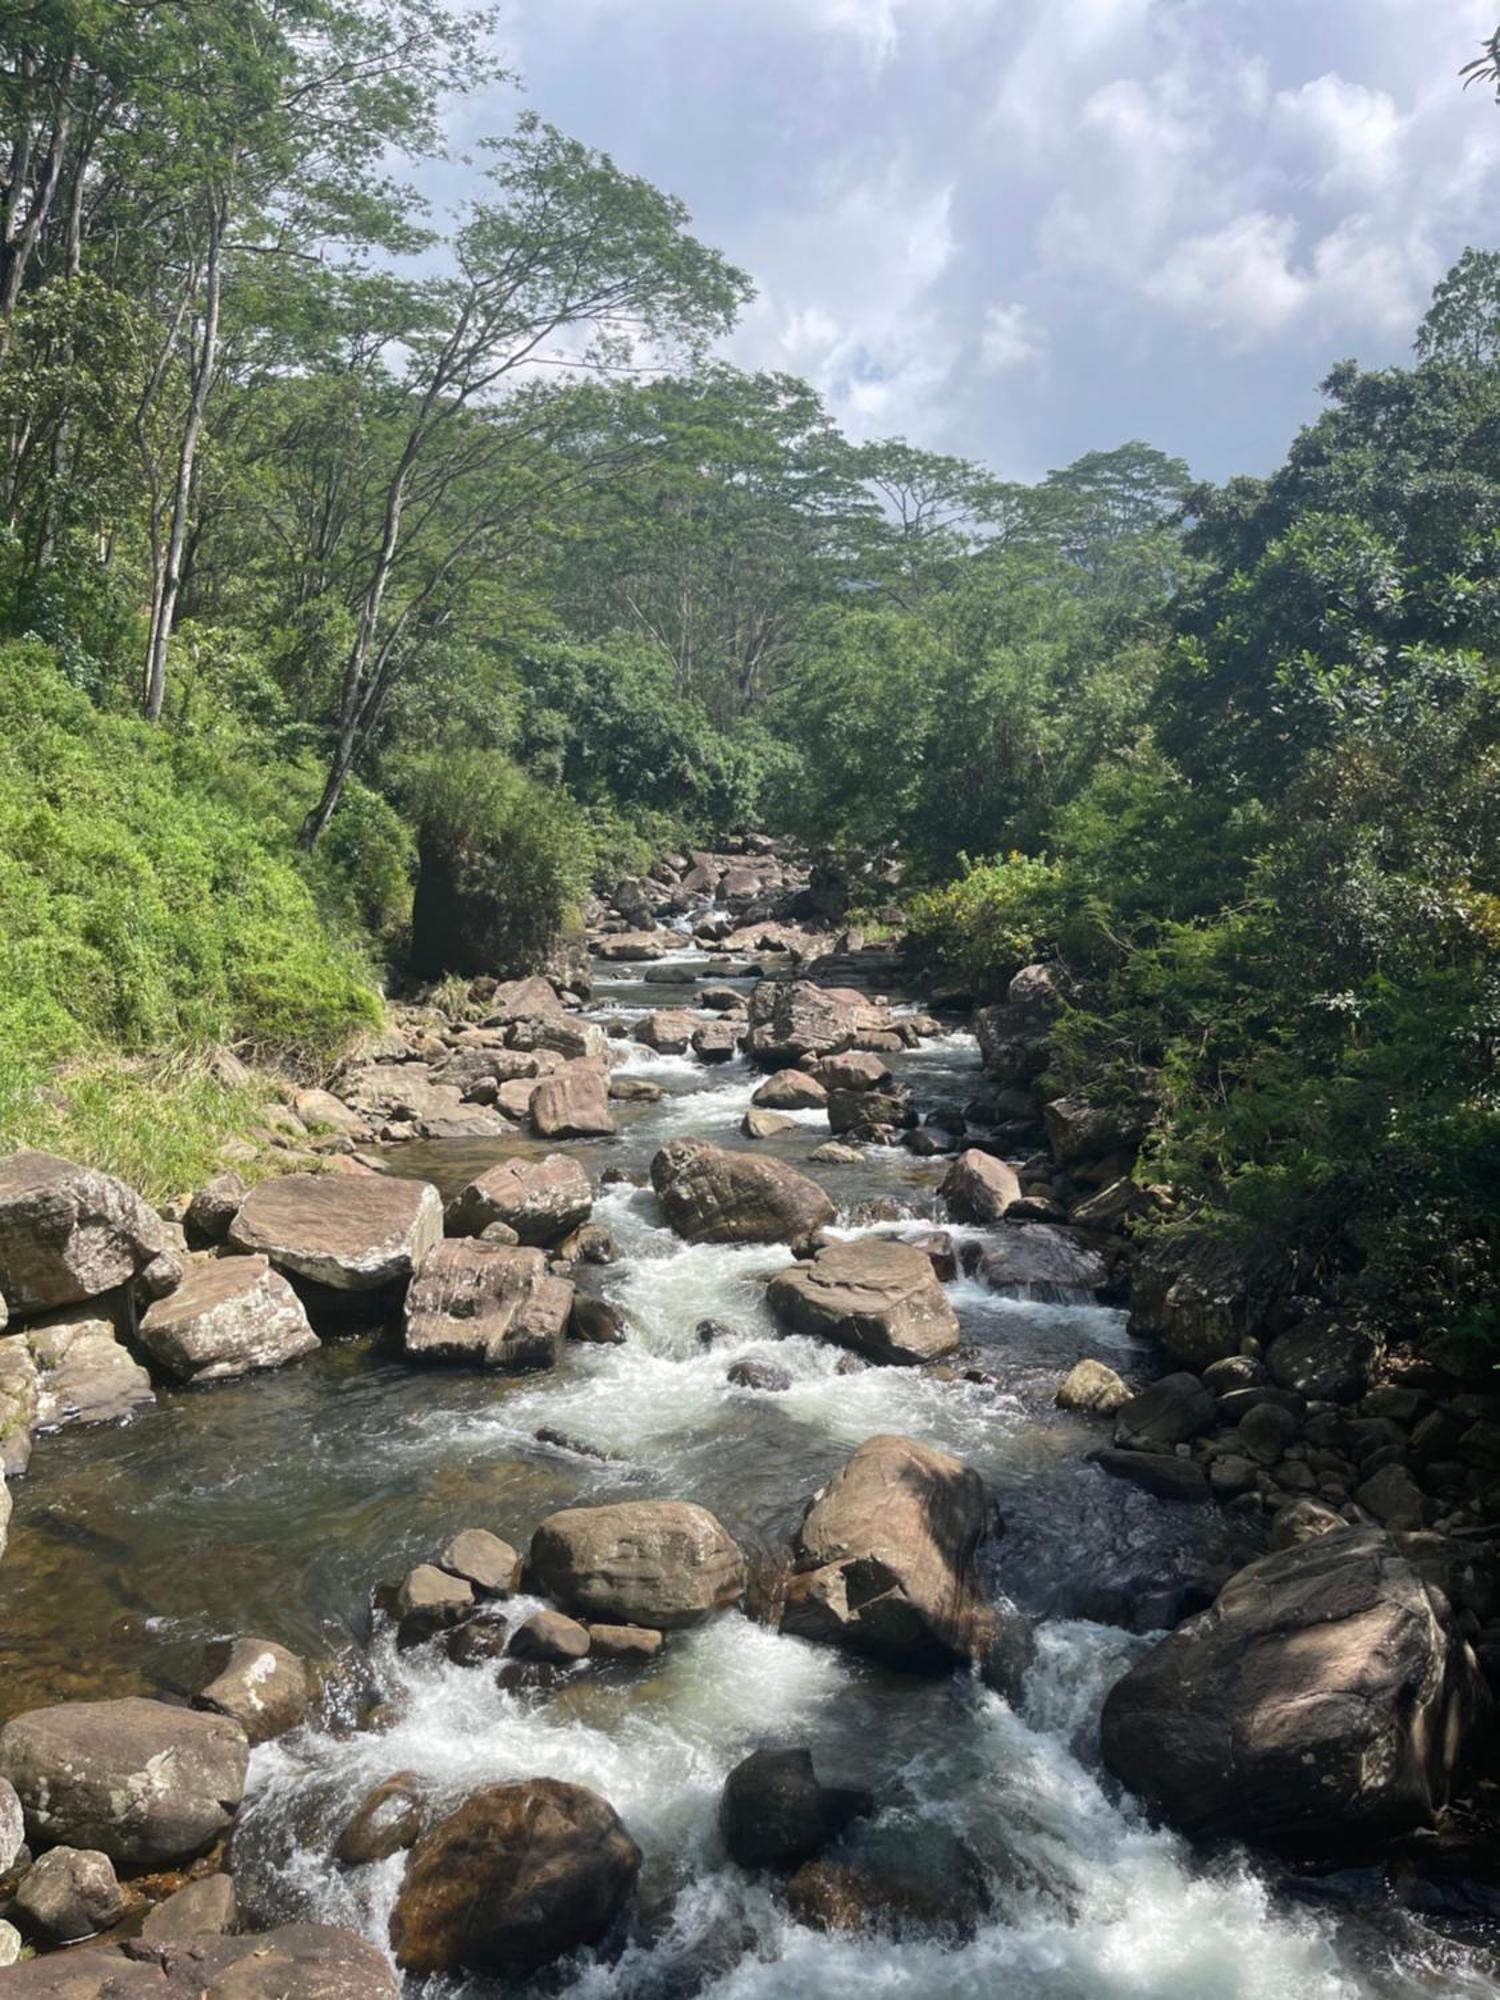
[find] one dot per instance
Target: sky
(1019, 230)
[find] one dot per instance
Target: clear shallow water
(275, 1505)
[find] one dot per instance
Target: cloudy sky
(1020, 229)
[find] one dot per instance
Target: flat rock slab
(352, 1235)
(1039, 1260)
(68, 1233)
(491, 1305)
(148, 1785)
(660, 1563)
(228, 1317)
(297, 1962)
(541, 1200)
(83, 1374)
(879, 1297)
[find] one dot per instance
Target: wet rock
(669, 1031)
(793, 1018)
(937, 1246)
(543, 1201)
(1111, 1207)
(492, 1566)
(357, 1234)
(758, 1371)
(774, 1812)
(713, 1196)
(634, 1090)
(854, 1070)
(297, 1962)
(707, 1331)
(228, 1317)
(388, 1820)
(757, 1124)
(854, 1113)
(1229, 1475)
(929, 1142)
(573, 1104)
(884, 1560)
(723, 1000)
(979, 1188)
(1235, 1371)
(1303, 1521)
(549, 1637)
(70, 1893)
(68, 1233)
(82, 1373)
(428, 1602)
(905, 1890)
(1010, 1651)
(791, 1090)
(1173, 1411)
(488, 1306)
(259, 1685)
(630, 1644)
(479, 1641)
(716, 1041)
(214, 1207)
(1325, 1699)
(874, 1295)
(1265, 1431)
(596, 1322)
(1037, 1260)
(1079, 1131)
(1326, 1363)
(662, 1563)
(1164, 1474)
(148, 1785)
(519, 1876)
(205, 1908)
(1092, 1389)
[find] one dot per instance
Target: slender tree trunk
(164, 606)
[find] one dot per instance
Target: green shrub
(996, 917)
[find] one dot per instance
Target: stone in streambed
(259, 1685)
(358, 1234)
(69, 1894)
(979, 1188)
(205, 1908)
(791, 1090)
(1161, 1473)
(69, 1233)
(491, 1565)
(429, 1601)
(879, 1297)
(713, 1196)
(296, 1962)
(1092, 1389)
(662, 1563)
(1173, 1411)
(716, 1041)
(549, 1638)
(228, 1317)
(521, 1875)
(81, 1373)
(487, 1305)
(758, 1371)
(774, 1813)
(543, 1201)
(388, 1819)
(148, 1785)
(884, 1560)
(573, 1103)
(1038, 1260)
(631, 1644)
(758, 1124)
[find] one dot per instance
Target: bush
(996, 917)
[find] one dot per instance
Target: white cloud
(1238, 277)
(1357, 135)
(1009, 339)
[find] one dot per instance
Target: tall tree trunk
(164, 606)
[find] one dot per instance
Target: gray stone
(713, 1196)
(662, 1563)
(69, 1233)
(492, 1566)
(69, 1894)
(262, 1686)
(350, 1233)
(228, 1317)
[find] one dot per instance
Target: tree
(1462, 325)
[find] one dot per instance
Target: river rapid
(275, 1504)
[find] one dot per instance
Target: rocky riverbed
(675, 1504)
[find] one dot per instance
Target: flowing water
(274, 1505)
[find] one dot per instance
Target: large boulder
(661, 1563)
(533, 999)
(573, 1103)
(83, 1373)
(775, 1813)
(1170, 1412)
(297, 1962)
(68, 1233)
(669, 1031)
(1092, 1389)
(355, 1234)
(1323, 1361)
(713, 1196)
(71, 1893)
(884, 1560)
(522, 1874)
(492, 1305)
(979, 1188)
(793, 1019)
(791, 1090)
(258, 1684)
(1325, 1700)
(541, 1200)
(880, 1297)
(1038, 1260)
(229, 1317)
(148, 1785)
(1198, 1295)
(1012, 1043)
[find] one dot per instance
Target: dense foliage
(344, 556)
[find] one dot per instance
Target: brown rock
(979, 1188)
(492, 1566)
(542, 1200)
(791, 1090)
(487, 1305)
(229, 1317)
(259, 1685)
(713, 1196)
(68, 1233)
(661, 1563)
(573, 1104)
(877, 1296)
(352, 1235)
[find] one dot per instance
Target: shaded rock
(573, 1103)
(1164, 1474)
(82, 1374)
(205, 1908)
(388, 1819)
(551, 1637)
(1303, 1521)
(716, 1041)
(854, 1070)
(259, 1685)
(1092, 1389)
(69, 1233)
(855, 1111)
(1009, 1653)
(492, 1566)
(1323, 1362)
(713, 1196)
(662, 1563)
(353, 1235)
(148, 1785)
(542, 1200)
(634, 1644)
(70, 1893)
(228, 1317)
(774, 1813)
(669, 1031)
(1174, 1410)
(1079, 1131)
(1235, 1371)
(1197, 1295)
(883, 1562)
(1265, 1430)
(933, 1888)
(428, 1602)
(936, 1245)
(758, 1371)
(1038, 1260)
(1394, 1498)
(214, 1207)
(519, 1876)
(479, 1641)
(791, 1090)
(486, 1305)
(979, 1188)
(1324, 1700)
(874, 1295)
(596, 1322)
